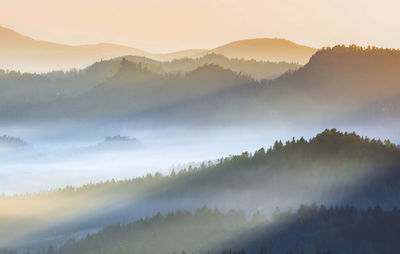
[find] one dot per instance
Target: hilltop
(276, 50)
(30, 55)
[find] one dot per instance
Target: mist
(60, 158)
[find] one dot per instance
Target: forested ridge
(333, 168)
(339, 85)
(330, 146)
(308, 229)
(342, 83)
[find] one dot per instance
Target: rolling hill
(23, 53)
(265, 49)
(107, 90)
(29, 55)
(340, 84)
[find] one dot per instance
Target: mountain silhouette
(23, 53)
(339, 84)
(266, 49)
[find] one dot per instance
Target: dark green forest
(329, 149)
(308, 229)
(333, 168)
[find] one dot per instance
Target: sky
(169, 25)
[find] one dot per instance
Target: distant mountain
(342, 80)
(112, 144)
(10, 143)
(265, 49)
(119, 138)
(23, 53)
(20, 90)
(256, 69)
(340, 84)
(106, 90)
(134, 89)
(189, 53)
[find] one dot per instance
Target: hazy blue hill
(9, 142)
(107, 89)
(339, 81)
(21, 90)
(256, 69)
(215, 77)
(113, 144)
(360, 74)
(134, 89)
(15, 88)
(129, 72)
(338, 84)
(148, 63)
(332, 168)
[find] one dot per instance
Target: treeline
(333, 168)
(309, 229)
(108, 90)
(230, 251)
(256, 69)
(369, 49)
(329, 145)
(343, 229)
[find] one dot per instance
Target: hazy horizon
(226, 21)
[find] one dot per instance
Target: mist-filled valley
(256, 146)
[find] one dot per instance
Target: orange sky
(168, 25)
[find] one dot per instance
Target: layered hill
(110, 90)
(339, 84)
(256, 69)
(26, 54)
(23, 53)
(352, 84)
(276, 50)
(338, 81)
